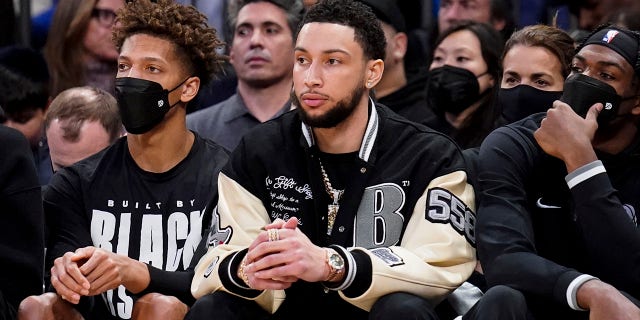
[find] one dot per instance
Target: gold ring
(273, 235)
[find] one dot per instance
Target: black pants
(7, 311)
(395, 306)
(500, 303)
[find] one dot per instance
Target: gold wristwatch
(336, 265)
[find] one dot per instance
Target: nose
(313, 76)
(588, 72)
(132, 72)
(256, 39)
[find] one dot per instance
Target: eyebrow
(329, 51)
(267, 23)
(146, 59)
(601, 63)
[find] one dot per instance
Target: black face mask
(581, 92)
(452, 89)
(524, 100)
(142, 103)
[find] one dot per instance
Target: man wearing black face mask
(126, 222)
(557, 226)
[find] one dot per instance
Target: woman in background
(79, 50)
(535, 63)
(463, 80)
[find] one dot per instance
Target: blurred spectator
(215, 10)
(535, 62)
(23, 96)
(22, 221)
(79, 50)
(262, 56)
(80, 122)
(463, 80)
(497, 13)
(405, 96)
(591, 13)
(626, 17)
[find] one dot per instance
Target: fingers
(97, 259)
(276, 224)
(594, 111)
(269, 242)
(268, 284)
(67, 279)
(291, 223)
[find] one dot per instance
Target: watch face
(335, 260)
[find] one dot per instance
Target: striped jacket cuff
(585, 172)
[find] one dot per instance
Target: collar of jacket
(368, 140)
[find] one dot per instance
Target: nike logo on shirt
(541, 205)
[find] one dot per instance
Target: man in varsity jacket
(366, 213)
(557, 224)
(126, 222)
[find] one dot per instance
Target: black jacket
(537, 235)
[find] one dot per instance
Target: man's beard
(334, 116)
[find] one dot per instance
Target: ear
(190, 89)
(400, 41)
(636, 106)
(636, 100)
(375, 68)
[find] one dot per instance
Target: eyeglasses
(105, 17)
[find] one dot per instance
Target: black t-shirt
(107, 201)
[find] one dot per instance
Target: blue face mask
(142, 103)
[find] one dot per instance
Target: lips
(258, 57)
(313, 99)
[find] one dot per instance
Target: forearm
(606, 224)
(170, 283)
(136, 276)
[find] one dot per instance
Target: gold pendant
(331, 216)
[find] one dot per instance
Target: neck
(264, 103)
(614, 142)
(347, 136)
(392, 80)
(163, 147)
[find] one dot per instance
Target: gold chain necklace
(335, 195)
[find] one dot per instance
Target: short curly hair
(354, 14)
(185, 26)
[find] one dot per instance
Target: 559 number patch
(444, 207)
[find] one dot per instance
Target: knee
(218, 301)
(505, 295)
(402, 305)
(159, 306)
(40, 307)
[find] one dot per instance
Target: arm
(432, 259)
(600, 214)
(606, 225)
(505, 234)
(22, 238)
(230, 236)
(68, 231)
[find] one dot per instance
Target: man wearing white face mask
(126, 222)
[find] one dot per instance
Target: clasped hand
(278, 263)
(86, 272)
